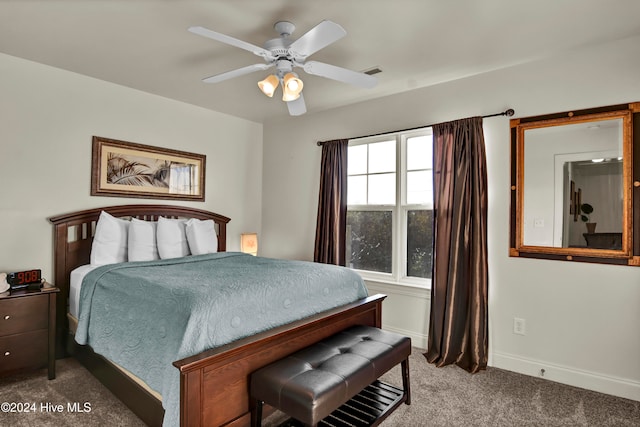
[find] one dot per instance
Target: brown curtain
(331, 224)
(458, 324)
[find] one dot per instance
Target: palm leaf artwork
(128, 171)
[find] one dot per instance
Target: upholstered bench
(314, 382)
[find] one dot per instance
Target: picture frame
(127, 169)
(572, 201)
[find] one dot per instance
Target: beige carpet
(73, 384)
(450, 396)
(440, 397)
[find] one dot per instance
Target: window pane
(419, 243)
(357, 159)
(419, 152)
(382, 189)
(419, 187)
(382, 156)
(357, 190)
(369, 240)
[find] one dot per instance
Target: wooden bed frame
(214, 384)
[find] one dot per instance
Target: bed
(213, 383)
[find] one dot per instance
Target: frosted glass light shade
(291, 87)
(269, 85)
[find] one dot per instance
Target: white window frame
(399, 211)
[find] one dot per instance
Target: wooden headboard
(73, 236)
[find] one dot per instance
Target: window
(390, 207)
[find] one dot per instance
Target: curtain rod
(510, 112)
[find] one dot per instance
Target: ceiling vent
(372, 71)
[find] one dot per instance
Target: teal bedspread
(146, 315)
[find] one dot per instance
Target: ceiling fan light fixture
(285, 54)
(269, 85)
(291, 87)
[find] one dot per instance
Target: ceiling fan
(285, 54)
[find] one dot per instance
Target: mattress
(75, 284)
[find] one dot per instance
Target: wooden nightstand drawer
(24, 314)
(28, 330)
(19, 351)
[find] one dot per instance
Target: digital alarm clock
(21, 279)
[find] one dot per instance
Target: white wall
(582, 320)
(47, 119)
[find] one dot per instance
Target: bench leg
(256, 414)
(405, 380)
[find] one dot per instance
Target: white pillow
(142, 240)
(201, 236)
(172, 238)
(110, 241)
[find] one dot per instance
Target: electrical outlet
(519, 326)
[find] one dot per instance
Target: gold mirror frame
(629, 253)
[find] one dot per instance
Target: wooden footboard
(214, 385)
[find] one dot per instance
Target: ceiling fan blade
(340, 74)
(320, 36)
(297, 107)
(256, 50)
(236, 73)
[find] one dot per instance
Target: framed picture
(572, 201)
(127, 169)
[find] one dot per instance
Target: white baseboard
(417, 340)
(566, 375)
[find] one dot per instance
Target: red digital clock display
(24, 277)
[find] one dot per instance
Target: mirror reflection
(574, 185)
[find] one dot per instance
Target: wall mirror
(574, 185)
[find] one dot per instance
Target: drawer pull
(7, 317)
(7, 353)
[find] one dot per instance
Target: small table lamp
(249, 243)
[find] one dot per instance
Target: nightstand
(28, 330)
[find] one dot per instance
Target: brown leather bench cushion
(309, 384)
